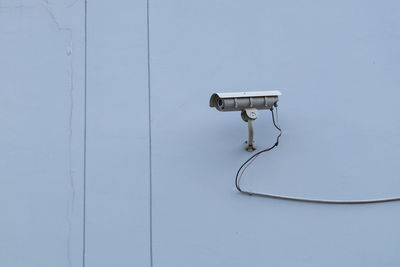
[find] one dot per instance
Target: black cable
(247, 163)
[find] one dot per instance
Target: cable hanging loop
(249, 161)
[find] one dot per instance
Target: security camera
(248, 103)
(244, 100)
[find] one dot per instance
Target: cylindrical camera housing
(242, 100)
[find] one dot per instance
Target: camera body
(244, 100)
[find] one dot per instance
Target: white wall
(75, 83)
(41, 138)
(118, 198)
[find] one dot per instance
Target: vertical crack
(150, 135)
(69, 51)
(84, 146)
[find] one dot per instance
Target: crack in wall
(69, 50)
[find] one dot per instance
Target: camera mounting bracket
(249, 115)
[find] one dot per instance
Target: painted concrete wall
(41, 139)
(84, 180)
